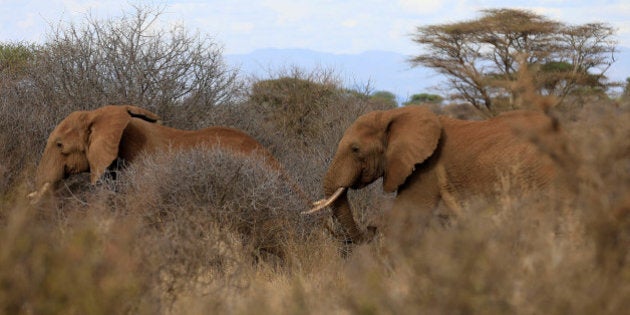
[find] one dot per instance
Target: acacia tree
(480, 58)
(424, 98)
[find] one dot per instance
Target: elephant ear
(412, 137)
(105, 129)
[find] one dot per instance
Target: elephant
(91, 141)
(427, 159)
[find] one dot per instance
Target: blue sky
(331, 26)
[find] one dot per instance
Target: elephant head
(385, 144)
(84, 141)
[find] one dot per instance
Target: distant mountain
(383, 70)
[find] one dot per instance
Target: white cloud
(75, 7)
(291, 11)
(350, 23)
(27, 22)
(242, 27)
(421, 7)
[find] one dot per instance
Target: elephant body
(90, 141)
(428, 159)
(471, 158)
(135, 142)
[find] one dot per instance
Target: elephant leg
(414, 205)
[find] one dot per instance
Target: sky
(332, 26)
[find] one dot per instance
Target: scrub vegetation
(209, 232)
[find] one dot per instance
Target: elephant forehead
(369, 118)
(367, 124)
(70, 126)
(66, 127)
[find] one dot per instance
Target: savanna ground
(205, 232)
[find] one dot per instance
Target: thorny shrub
(208, 213)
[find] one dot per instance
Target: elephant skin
(426, 158)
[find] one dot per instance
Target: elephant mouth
(70, 170)
(359, 185)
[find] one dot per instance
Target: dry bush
(305, 109)
(24, 130)
(19, 124)
(77, 268)
(131, 60)
(210, 213)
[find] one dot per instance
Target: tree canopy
(14, 57)
(385, 97)
(480, 58)
(424, 98)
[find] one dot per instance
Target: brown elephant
(90, 141)
(427, 158)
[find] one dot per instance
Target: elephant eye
(354, 148)
(59, 145)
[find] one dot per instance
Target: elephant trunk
(49, 172)
(341, 208)
(343, 213)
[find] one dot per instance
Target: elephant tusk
(323, 203)
(37, 195)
